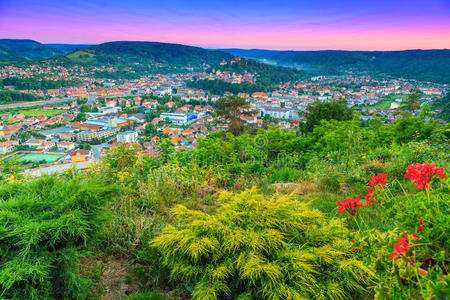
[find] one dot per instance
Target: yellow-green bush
(254, 247)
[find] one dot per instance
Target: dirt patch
(303, 188)
(114, 278)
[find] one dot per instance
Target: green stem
(404, 192)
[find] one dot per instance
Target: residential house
(79, 155)
(127, 137)
(66, 146)
(8, 146)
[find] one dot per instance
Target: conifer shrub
(44, 225)
(255, 247)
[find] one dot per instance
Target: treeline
(37, 84)
(266, 74)
(423, 65)
(444, 105)
(219, 87)
(7, 97)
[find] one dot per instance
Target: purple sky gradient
(281, 24)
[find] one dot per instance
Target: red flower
(422, 174)
(350, 205)
(369, 196)
(353, 242)
(421, 228)
(400, 247)
(379, 179)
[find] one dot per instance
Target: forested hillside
(424, 65)
(339, 209)
(266, 74)
(20, 50)
(267, 77)
(129, 53)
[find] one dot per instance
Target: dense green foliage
(232, 108)
(267, 77)
(257, 248)
(37, 84)
(145, 53)
(16, 49)
(265, 74)
(44, 224)
(7, 96)
(444, 105)
(402, 214)
(424, 65)
(319, 111)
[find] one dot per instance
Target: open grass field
(37, 157)
(386, 102)
(41, 112)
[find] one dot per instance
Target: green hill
(266, 74)
(144, 53)
(67, 48)
(15, 50)
(424, 65)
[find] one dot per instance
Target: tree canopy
(334, 110)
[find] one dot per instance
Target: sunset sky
(281, 24)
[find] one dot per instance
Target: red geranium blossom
(422, 174)
(350, 205)
(379, 179)
(369, 196)
(402, 245)
(421, 228)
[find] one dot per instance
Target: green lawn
(386, 102)
(36, 157)
(41, 112)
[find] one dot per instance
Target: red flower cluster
(369, 196)
(421, 228)
(378, 182)
(402, 245)
(350, 205)
(379, 179)
(422, 174)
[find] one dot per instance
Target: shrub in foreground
(262, 248)
(409, 251)
(44, 223)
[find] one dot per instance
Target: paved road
(97, 150)
(58, 168)
(35, 103)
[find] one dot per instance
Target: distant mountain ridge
(12, 50)
(124, 53)
(424, 65)
(67, 48)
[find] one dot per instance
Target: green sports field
(36, 157)
(41, 112)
